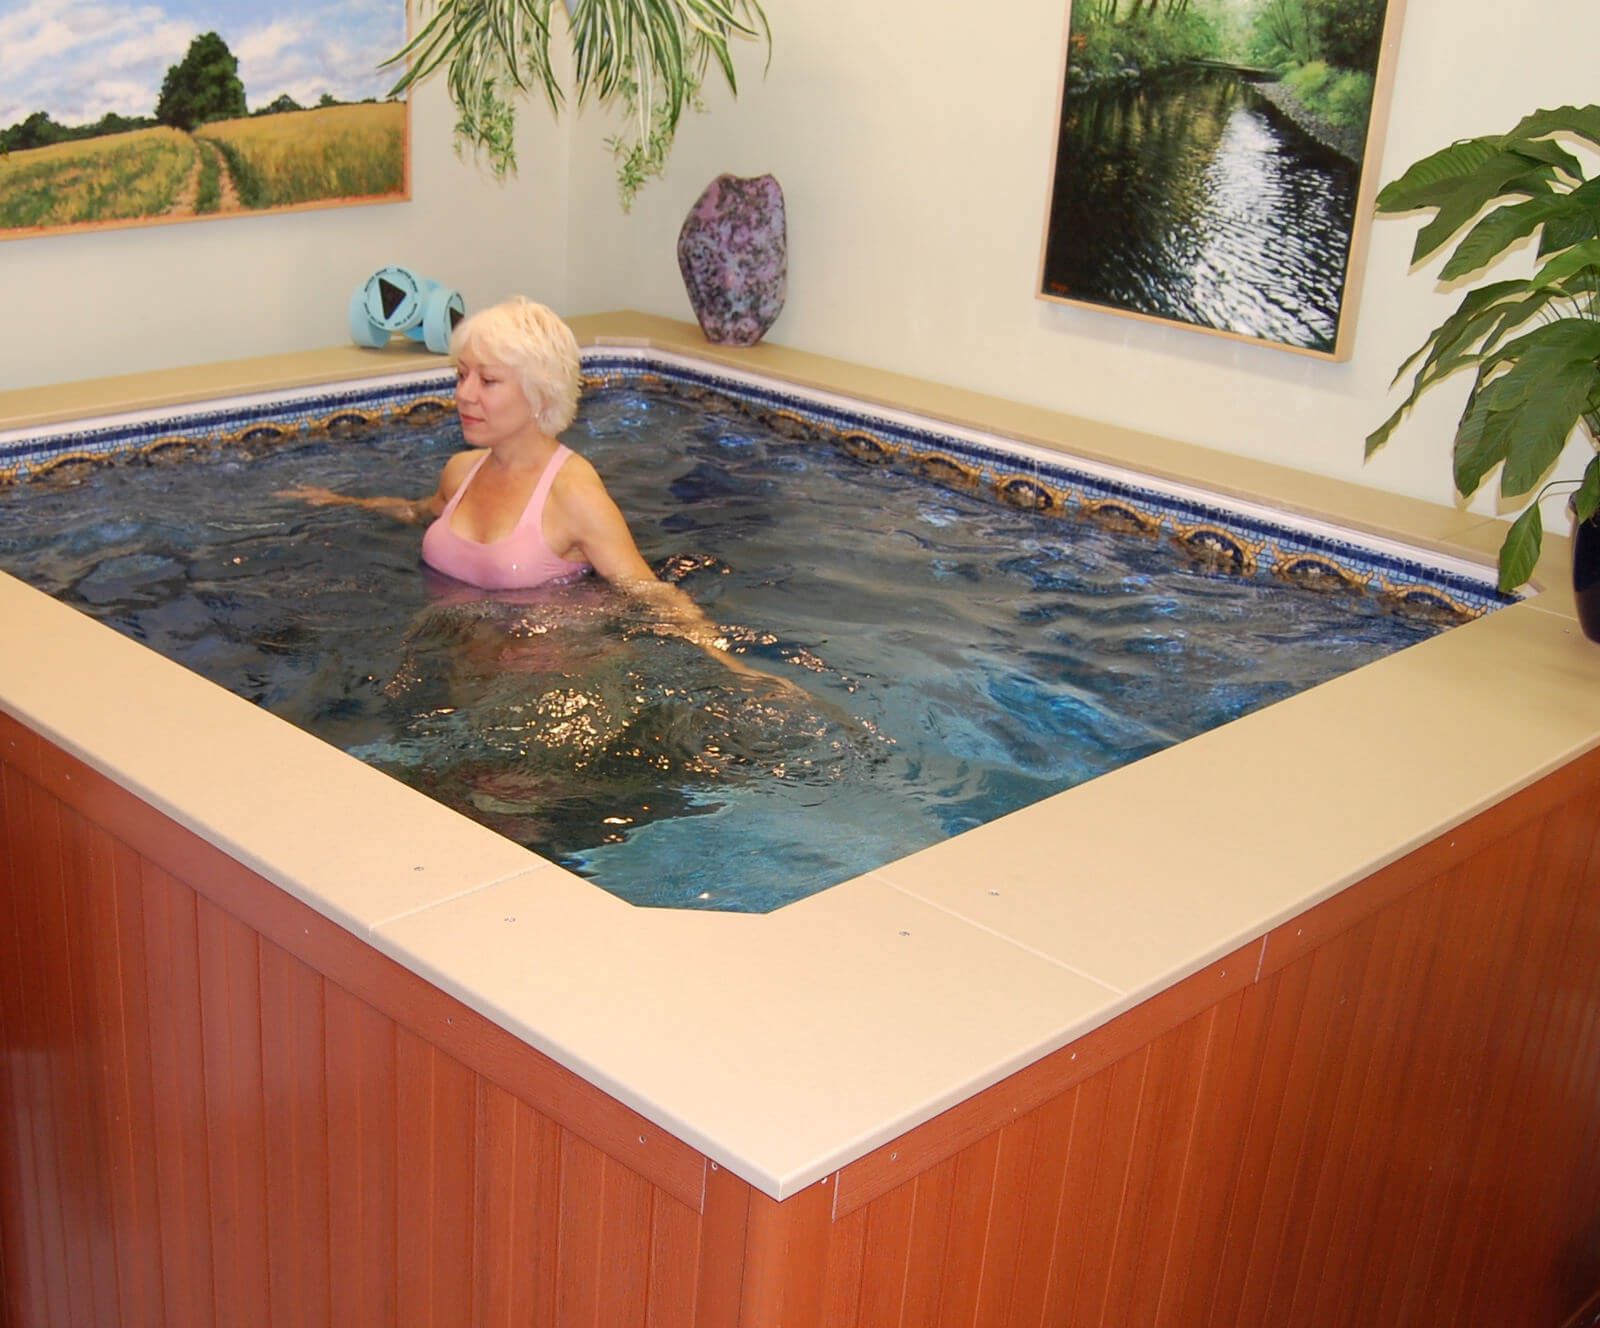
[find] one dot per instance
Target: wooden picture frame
(226, 108)
(1216, 165)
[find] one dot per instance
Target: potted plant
(649, 56)
(1533, 343)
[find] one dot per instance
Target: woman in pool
(520, 509)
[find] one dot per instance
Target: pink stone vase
(733, 252)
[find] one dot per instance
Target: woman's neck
(525, 452)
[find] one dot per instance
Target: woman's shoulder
(577, 475)
(457, 468)
(460, 462)
(580, 494)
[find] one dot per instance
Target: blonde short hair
(536, 347)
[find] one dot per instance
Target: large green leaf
(1519, 552)
(1482, 441)
(1587, 499)
(1549, 152)
(1379, 436)
(1437, 175)
(1576, 220)
(1569, 263)
(1531, 386)
(1450, 347)
(1496, 232)
(1550, 345)
(1562, 232)
(1543, 419)
(1579, 121)
(1506, 175)
(1472, 318)
(1545, 302)
(1463, 179)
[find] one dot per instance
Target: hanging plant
(649, 57)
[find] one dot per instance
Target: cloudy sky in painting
(78, 59)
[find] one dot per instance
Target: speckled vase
(733, 252)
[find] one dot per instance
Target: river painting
(1220, 190)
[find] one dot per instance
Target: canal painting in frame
(1216, 163)
(117, 114)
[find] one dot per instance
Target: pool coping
(786, 1045)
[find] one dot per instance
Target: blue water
(955, 659)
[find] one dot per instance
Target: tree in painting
(202, 87)
(1209, 160)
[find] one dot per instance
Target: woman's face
(492, 405)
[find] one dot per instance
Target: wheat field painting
(115, 114)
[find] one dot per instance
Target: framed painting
(1216, 161)
(121, 114)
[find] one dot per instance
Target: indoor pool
(927, 656)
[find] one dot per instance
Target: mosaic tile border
(1241, 538)
(239, 421)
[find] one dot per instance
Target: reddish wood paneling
(199, 1127)
(217, 1107)
(363, 1158)
(377, 980)
(945, 1135)
(1398, 1126)
(784, 1246)
(721, 1265)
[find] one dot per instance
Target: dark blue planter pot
(1586, 575)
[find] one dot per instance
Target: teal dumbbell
(396, 299)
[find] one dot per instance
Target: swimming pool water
(956, 658)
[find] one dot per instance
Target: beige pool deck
(786, 1045)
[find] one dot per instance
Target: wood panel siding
(216, 1107)
(199, 1127)
(1396, 1126)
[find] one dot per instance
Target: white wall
(92, 304)
(913, 142)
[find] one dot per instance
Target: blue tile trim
(28, 452)
(1227, 537)
(1243, 539)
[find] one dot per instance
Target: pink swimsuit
(515, 561)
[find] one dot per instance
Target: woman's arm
(598, 528)
(600, 532)
(411, 511)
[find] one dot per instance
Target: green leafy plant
(649, 57)
(1533, 343)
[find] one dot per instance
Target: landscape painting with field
(1212, 163)
(117, 114)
